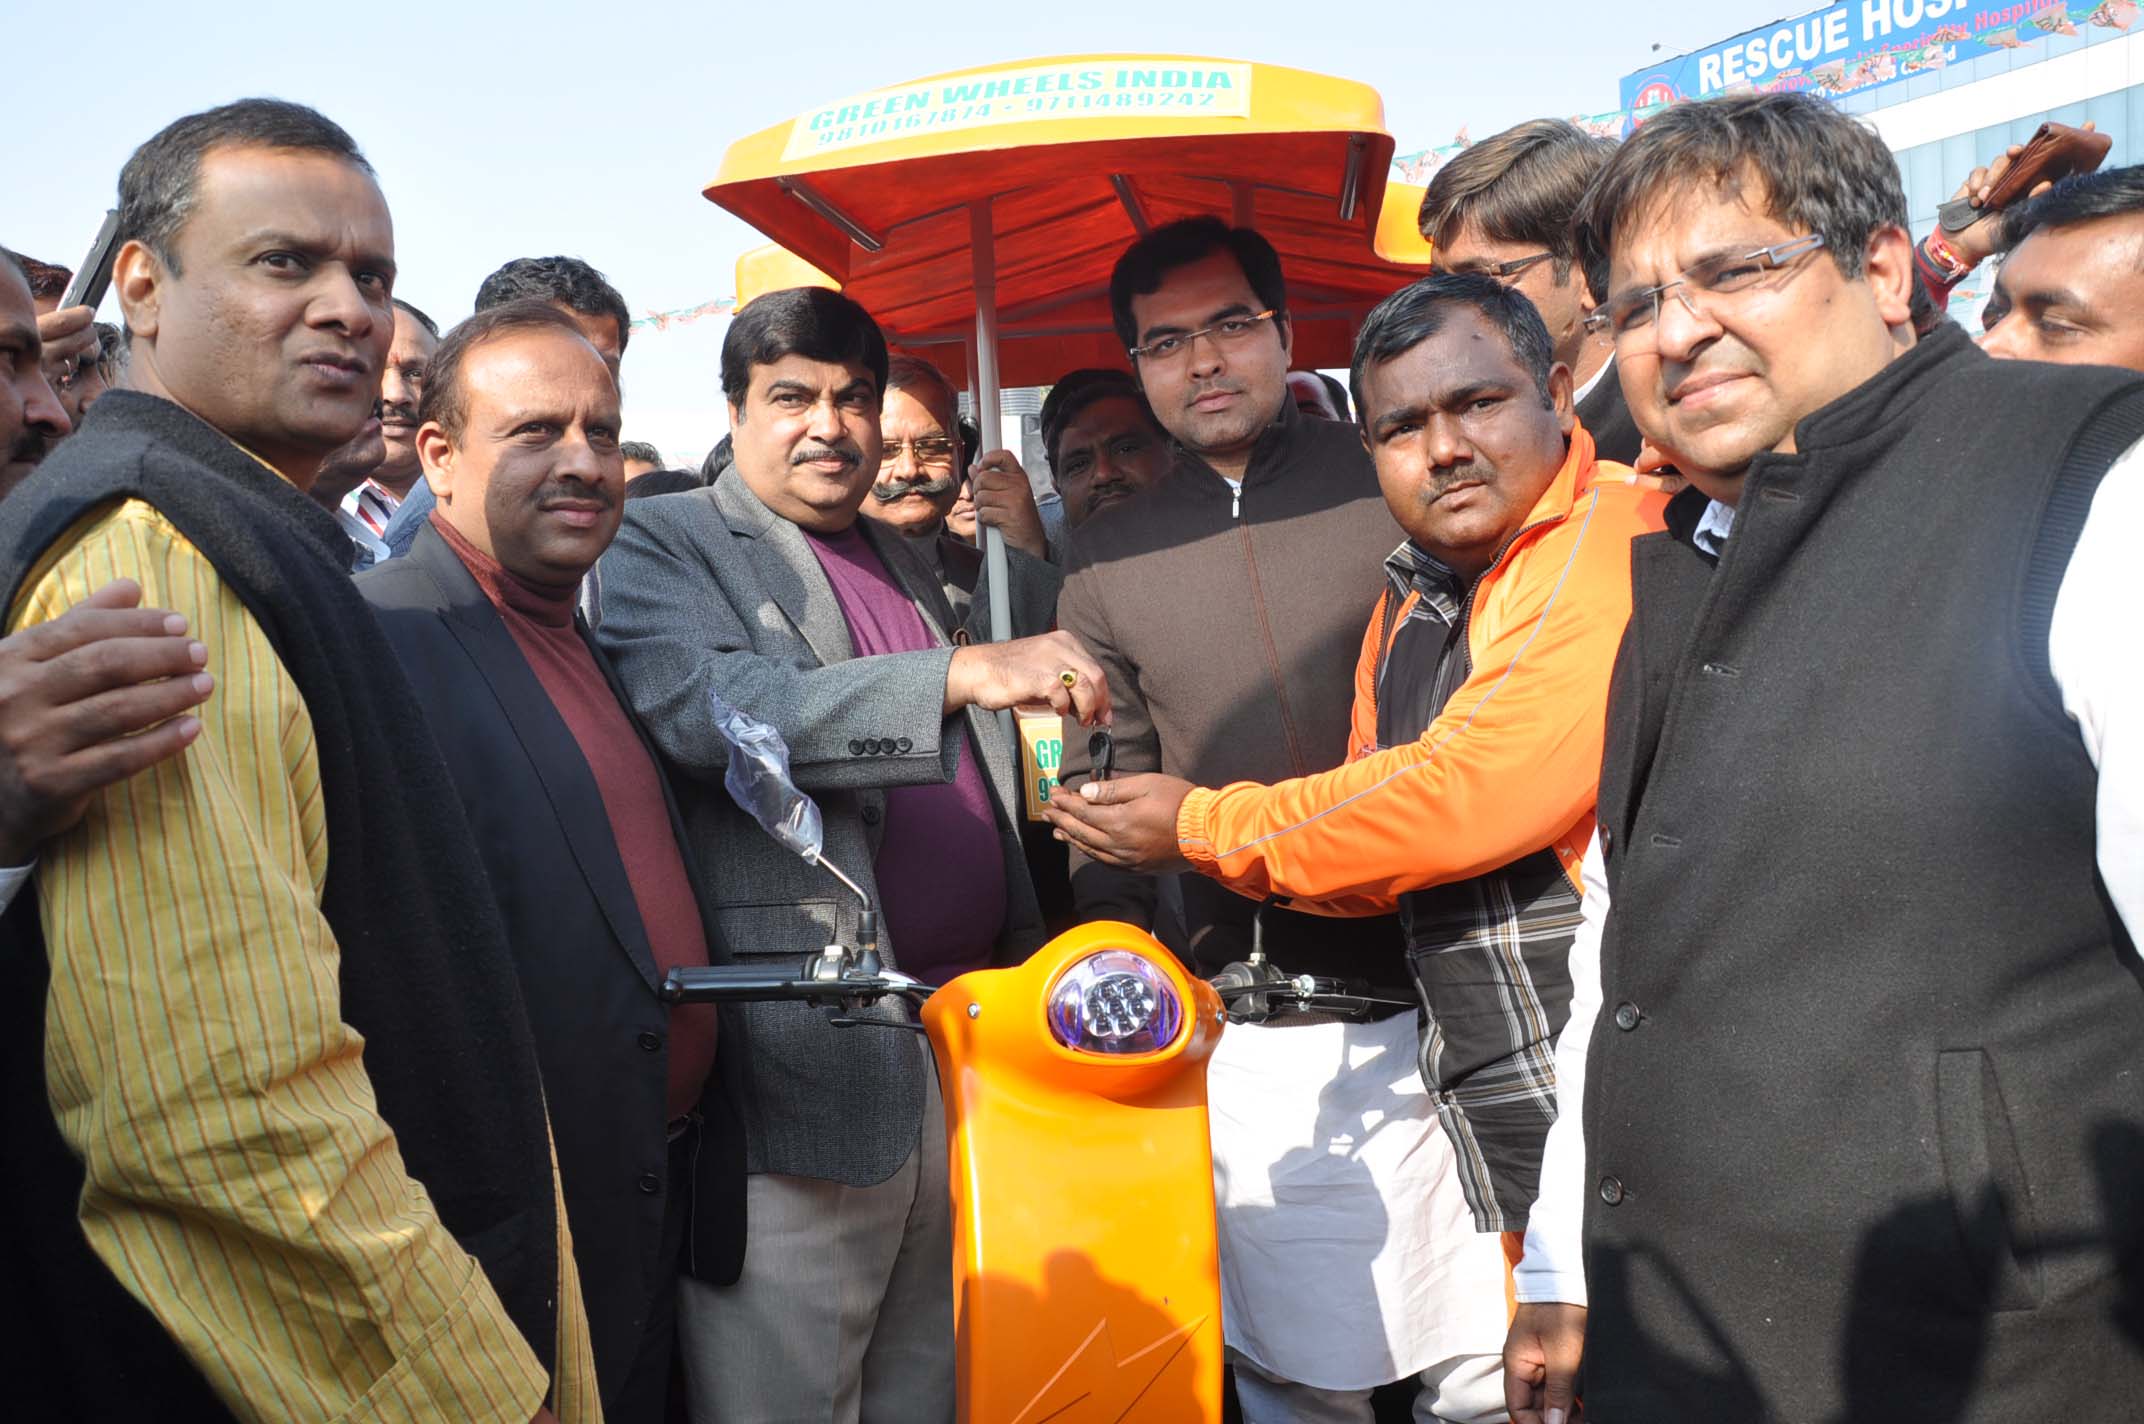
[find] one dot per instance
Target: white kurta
(1348, 1256)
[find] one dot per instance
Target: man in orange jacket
(1476, 746)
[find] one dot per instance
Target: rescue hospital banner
(1864, 44)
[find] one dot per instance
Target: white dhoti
(1348, 1256)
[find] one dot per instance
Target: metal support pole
(988, 417)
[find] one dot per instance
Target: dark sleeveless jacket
(425, 975)
(1865, 1102)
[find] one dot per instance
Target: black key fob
(1102, 754)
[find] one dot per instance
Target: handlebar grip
(734, 983)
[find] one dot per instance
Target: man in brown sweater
(1225, 605)
(1226, 602)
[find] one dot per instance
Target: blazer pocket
(1986, 1178)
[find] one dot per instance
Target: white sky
(534, 127)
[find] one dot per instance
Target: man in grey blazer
(768, 590)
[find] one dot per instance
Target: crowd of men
(1678, 681)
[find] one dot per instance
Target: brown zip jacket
(1229, 625)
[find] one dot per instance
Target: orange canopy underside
(1063, 193)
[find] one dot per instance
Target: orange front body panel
(1085, 1282)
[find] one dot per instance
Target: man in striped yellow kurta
(196, 886)
(239, 1179)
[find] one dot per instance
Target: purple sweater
(940, 866)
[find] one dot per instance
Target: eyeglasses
(1229, 331)
(929, 451)
(1629, 316)
(1505, 272)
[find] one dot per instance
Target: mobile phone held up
(2055, 151)
(94, 276)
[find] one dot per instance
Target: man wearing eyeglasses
(1225, 604)
(919, 479)
(1859, 1033)
(1503, 208)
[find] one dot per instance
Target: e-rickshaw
(977, 216)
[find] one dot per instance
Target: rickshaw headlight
(1115, 1002)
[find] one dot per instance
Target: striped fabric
(372, 504)
(239, 1180)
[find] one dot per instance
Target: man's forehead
(913, 411)
(2104, 253)
(1103, 417)
(411, 335)
(1463, 352)
(548, 360)
(1213, 281)
(823, 376)
(1467, 244)
(294, 190)
(15, 304)
(1683, 216)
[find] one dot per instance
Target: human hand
(1054, 668)
(76, 695)
(1977, 243)
(70, 339)
(1655, 469)
(1541, 1355)
(1005, 501)
(1127, 821)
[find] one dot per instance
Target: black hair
(1415, 313)
(1339, 394)
(642, 451)
(157, 187)
(803, 321)
(2080, 198)
(48, 280)
(419, 317)
(1148, 262)
(654, 482)
(718, 459)
(1077, 390)
(1820, 171)
(442, 398)
(566, 281)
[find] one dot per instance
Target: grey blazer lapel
(788, 570)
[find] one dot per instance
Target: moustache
(929, 489)
(401, 411)
(1470, 473)
(806, 454)
(552, 491)
(1213, 388)
(30, 447)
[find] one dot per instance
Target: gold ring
(1069, 678)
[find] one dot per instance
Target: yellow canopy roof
(1077, 156)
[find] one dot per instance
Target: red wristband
(1946, 259)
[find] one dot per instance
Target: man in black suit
(576, 826)
(1503, 208)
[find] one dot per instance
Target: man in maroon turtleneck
(580, 837)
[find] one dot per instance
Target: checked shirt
(1490, 955)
